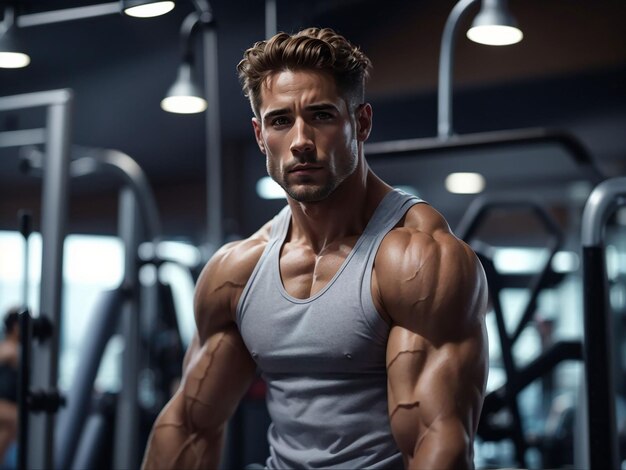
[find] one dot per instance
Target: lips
(304, 168)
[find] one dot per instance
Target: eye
(280, 121)
(323, 116)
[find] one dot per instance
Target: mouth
(304, 168)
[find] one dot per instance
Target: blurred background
(541, 122)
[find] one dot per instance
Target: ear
(363, 121)
(258, 134)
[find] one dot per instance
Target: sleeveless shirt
(323, 358)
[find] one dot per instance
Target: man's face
(308, 134)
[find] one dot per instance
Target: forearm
(441, 449)
(173, 445)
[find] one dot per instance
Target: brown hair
(310, 49)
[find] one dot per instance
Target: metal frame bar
(126, 453)
(602, 437)
(22, 137)
(68, 14)
(475, 215)
(90, 160)
(54, 202)
(481, 140)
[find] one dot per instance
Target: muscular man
(360, 307)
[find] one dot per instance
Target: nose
(302, 141)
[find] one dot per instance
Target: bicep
(435, 394)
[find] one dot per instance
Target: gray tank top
(323, 358)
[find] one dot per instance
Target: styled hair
(319, 49)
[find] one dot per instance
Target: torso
(303, 273)
(310, 323)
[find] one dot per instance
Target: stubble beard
(303, 192)
(310, 193)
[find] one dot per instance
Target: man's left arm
(434, 289)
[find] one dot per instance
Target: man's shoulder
(424, 269)
(236, 260)
(422, 228)
(225, 275)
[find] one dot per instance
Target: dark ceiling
(568, 73)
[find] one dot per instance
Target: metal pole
(23, 389)
(271, 18)
(54, 204)
(603, 446)
(446, 59)
(22, 137)
(25, 229)
(68, 14)
(213, 140)
(127, 417)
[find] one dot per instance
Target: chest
(304, 273)
(316, 317)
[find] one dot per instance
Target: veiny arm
(217, 372)
(434, 289)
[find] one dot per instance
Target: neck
(344, 213)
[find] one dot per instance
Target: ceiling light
(184, 97)
(494, 25)
(13, 60)
(12, 56)
(465, 183)
(146, 8)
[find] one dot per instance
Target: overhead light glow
(565, 262)
(267, 188)
(150, 10)
(183, 104)
(519, 260)
(465, 183)
(13, 60)
(495, 35)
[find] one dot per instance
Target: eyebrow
(322, 107)
(275, 112)
(285, 111)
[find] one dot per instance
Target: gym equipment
(600, 389)
(139, 220)
(517, 378)
(489, 140)
(37, 450)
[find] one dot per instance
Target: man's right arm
(216, 374)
